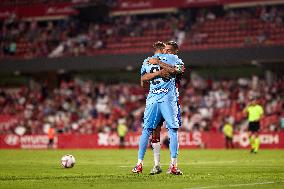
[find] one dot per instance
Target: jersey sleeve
(143, 67)
(175, 60)
(156, 56)
(179, 61)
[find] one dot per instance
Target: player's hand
(153, 60)
(180, 68)
(165, 74)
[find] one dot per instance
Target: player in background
(51, 135)
(161, 103)
(171, 47)
(228, 131)
(122, 131)
(254, 112)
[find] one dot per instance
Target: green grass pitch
(202, 169)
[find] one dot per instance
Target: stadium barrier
(38, 11)
(111, 140)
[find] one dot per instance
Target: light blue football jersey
(161, 89)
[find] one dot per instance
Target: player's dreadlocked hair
(159, 45)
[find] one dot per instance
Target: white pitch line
(235, 185)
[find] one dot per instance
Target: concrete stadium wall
(104, 62)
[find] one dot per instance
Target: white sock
(140, 161)
(174, 161)
(156, 150)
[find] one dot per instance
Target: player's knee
(173, 130)
(172, 133)
(155, 140)
(156, 136)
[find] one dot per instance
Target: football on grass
(68, 161)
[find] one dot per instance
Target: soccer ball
(68, 161)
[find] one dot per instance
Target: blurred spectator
(210, 16)
(282, 117)
(51, 136)
(87, 107)
(199, 38)
(262, 37)
(228, 131)
(12, 48)
(121, 131)
(248, 41)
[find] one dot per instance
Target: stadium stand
(86, 107)
(18, 3)
(131, 34)
(237, 29)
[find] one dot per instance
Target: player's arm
(143, 72)
(169, 68)
(149, 76)
(143, 84)
(180, 70)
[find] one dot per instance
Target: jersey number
(154, 81)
